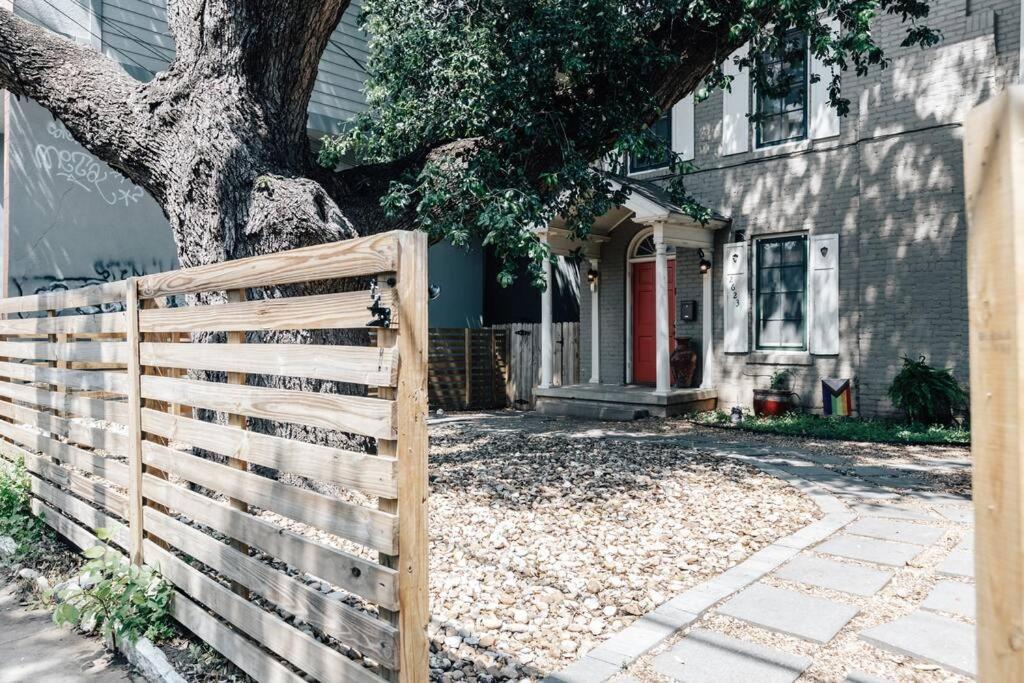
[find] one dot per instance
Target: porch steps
(621, 402)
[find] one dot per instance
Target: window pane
(661, 132)
(791, 278)
(783, 107)
(781, 285)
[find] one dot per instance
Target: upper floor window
(782, 107)
(661, 130)
(781, 301)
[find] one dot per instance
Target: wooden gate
(524, 359)
(101, 444)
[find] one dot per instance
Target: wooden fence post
(468, 350)
(240, 422)
(414, 611)
(994, 182)
(135, 518)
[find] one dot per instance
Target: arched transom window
(645, 248)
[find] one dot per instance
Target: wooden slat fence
(468, 368)
(524, 359)
(100, 410)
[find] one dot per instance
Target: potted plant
(777, 399)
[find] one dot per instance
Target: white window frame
(756, 303)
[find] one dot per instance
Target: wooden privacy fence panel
(524, 358)
(468, 368)
(99, 408)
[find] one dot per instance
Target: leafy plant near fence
(926, 395)
(122, 600)
(16, 519)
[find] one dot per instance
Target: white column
(595, 325)
(707, 375)
(545, 328)
(661, 305)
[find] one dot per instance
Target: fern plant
(927, 395)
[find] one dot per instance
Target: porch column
(707, 374)
(661, 305)
(545, 326)
(595, 324)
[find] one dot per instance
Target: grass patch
(842, 428)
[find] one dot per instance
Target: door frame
(639, 237)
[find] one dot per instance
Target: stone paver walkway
(886, 574)
(33, 649)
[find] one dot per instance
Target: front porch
(621, 402)
(649, 270)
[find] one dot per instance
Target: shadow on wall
(892, 187)
(520, 302)
(72, 219)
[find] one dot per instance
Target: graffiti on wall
(82, 169)
(103, 272)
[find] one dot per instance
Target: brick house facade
(889, 186)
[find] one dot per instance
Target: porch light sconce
(592, 276)
(705, 265)
(433, 292)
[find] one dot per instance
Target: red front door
(644, 321)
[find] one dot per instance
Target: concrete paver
(891, 553)
(840, 576)
(954, 597)
(708, 657)
(941, 640)
(789, 612)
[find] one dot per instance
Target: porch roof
(648, 204)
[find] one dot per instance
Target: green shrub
(122, 600)
(16, 518)
(925, 394)
(841, 428)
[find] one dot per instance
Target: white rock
(28, 574)
(8, 546)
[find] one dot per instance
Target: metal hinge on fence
(381, 314)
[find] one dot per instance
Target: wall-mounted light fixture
(705, 265)
(433, 292)
(592, 276)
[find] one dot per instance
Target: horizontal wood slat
(343, 310)
(82, 297)
(367, 416)
(112, 411)
(73, 507)
(350, 626)
(92, 352)
(234, 646)
(349, 258)
(302, 650)
(63, 526)
(90, 489)
(64, 324)
(93, 437)
(371, 474)
(90, 380)
(362, 577)
(356, 364)
(107, 468)
(357, 523)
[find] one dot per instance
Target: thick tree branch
(96, 100)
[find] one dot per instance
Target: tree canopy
(526, 96)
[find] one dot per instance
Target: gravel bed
(544, 544)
